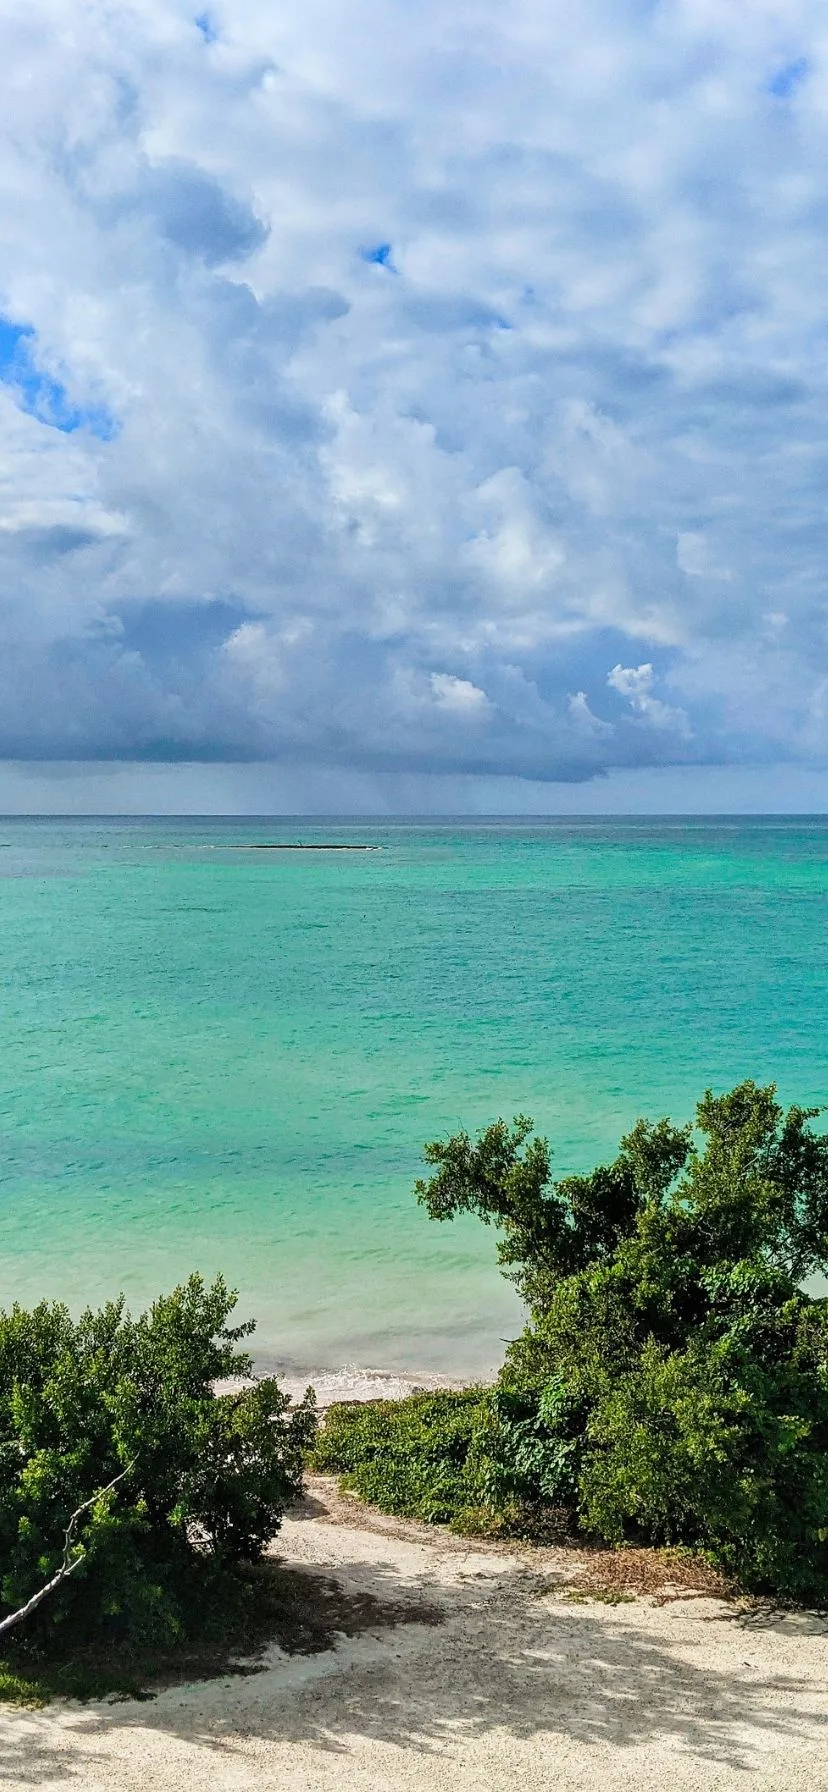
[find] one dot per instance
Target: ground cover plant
(424, 1457)
(671, 1385)
(175, 1490)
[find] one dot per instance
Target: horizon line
(368, 818)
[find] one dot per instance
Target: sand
(500, 1681)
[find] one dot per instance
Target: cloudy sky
(417, 404)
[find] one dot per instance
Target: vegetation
(671, 1387)
(424, 1457)
(175, 1490)
(477, 1459)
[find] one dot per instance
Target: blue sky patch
(789, 78)
(380, 255)
(39, 393)
(205, 25)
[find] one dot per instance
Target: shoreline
(352, 1381)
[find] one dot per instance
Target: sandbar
(297, 846)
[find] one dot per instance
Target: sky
(413, 406)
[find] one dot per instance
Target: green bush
(474, 1459)
(671, 1386)
(204, 1478)
(417, 1458)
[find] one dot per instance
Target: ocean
(228, 1060)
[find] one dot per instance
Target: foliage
(19, 1688)
(473, 1458)
(672, 1385)
(549, 1229)
(208, 1476)
(418, 1458)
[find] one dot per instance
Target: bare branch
(67, 1566)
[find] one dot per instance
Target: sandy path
(510, 1686)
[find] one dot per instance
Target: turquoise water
(220, 1059)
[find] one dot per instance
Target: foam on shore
(350, 1382)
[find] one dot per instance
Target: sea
(220, 1058)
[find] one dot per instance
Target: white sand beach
(477, 1673)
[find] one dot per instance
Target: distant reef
(297, 846)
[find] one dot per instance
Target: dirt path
(488, 1676)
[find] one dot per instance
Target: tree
(673, 1381)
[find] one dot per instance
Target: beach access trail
(471, 1668)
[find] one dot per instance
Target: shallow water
(221, 1059)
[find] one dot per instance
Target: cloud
(458, 695)
(414, 391)
(192, 210)
(636, 683)
(694, 558)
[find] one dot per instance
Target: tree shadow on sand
(29, 1760)
(507, 1657)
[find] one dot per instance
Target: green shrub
(477, 1459)
(723, 1448)
(204, 1478)
(417, 1458)
(535, 1442)
(672, 1384)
